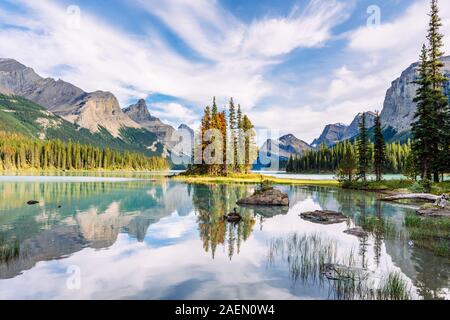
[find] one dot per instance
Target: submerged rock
(271, 197)
(339, 272)
(358, 232)
(32, 202)
(324, 217)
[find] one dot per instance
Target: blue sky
(294, 65)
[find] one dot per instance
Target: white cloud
(173, 112)
(308, 28)
(102, 57)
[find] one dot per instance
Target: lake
(131, 238)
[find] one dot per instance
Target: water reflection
(212, 204)
(163, 239)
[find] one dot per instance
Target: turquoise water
(160, 239)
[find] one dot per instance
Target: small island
(266, 195)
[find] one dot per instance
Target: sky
(293, 65)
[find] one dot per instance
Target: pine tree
(205, 126)
(250, 152)
(363, 150)
(424, 142)
(379, 149)
(438, 99)
(240, 151)
(348, 165)
(233, 138)
(223, 130)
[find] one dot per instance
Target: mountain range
(48, 108)
(54, 109)
(334, 133)
(396, 117)
(285, 146)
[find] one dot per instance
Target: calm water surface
(142, 239)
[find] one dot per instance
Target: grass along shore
(400, 186)
(252, 179)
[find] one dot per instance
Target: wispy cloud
(235, 56)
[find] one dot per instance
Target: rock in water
(324, 217)
(358, 231)
(232, 218)
(272, 197)
(32, 202)
(339, 272)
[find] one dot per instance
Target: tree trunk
(436, 177)
(413, 196)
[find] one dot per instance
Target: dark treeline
(20, 153)
(327, 160)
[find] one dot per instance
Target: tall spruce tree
(379, 149)
(250, 149)
(363, 150)
(430, 129)
(438, 80)
(424, 142)
(348, 165)
(233, 138)
(240, 152)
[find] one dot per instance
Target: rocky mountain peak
(187, 128)
(88, 110)
(288, 137)
(286, 146)
(11, 65)
(139, 112)
(331, 134)
(334, 133)
(399, 107)
(57, 96)
(101, 109)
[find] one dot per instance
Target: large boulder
(271, 197)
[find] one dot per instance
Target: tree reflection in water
(212, 203)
